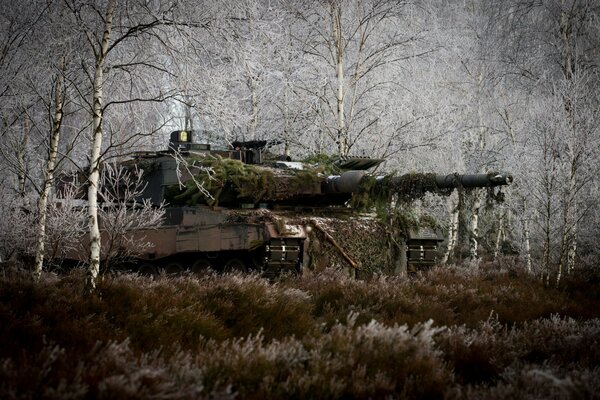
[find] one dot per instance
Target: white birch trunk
(560, 270)
(547, 232)
(527, 244)
(254, 104)
(452, 232)
(339, 72)
(474, 236)
(21, 162)
(499, 235)
(286, 127)
(568, 248)
(565, 30)
(572, 250)
(569, 235)
(48, 177)
(189, 121)
(94, 171)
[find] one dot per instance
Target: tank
(242, 208)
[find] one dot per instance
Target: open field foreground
(449, 333)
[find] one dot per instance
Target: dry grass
(449, 333)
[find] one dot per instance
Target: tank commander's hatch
(185, 140)
(356, 163)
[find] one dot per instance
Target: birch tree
(549, 48)
(351, 45)
(114, 33)
(48, 179)
(16, 27)
(25, 118)
(101, 49)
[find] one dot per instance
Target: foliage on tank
(364, 240)
(379, 192)
(249, 182)
(323, 163)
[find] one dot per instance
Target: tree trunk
(94, 169)
(21, 161)
(547, 231)
(499, 235)
(49, 174)
(336, 15)
(189, 120)
(474, 234)
(527, 244)
(568, 240)
(461, 236)
(565, 27)
(572, 253)
(252, 84)
(452, 231)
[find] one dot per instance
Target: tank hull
(207, 237)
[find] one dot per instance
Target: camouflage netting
(370, 241)
(323, 163)
(247, 182)
(365, 240)
(376, 193)
(339, 241)
(232, 179)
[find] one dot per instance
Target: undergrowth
(447, 333)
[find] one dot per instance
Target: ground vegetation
(495, 332)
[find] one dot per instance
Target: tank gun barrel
(472, 180)
(355, 181)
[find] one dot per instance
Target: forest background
(443, 86)
(465, 86)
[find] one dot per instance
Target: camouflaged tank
(240, 208)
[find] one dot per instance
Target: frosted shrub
(545, 358)
(535, 382)
(365, 361)
(17, 222)
(439, 335)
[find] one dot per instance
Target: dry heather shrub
(514, 295)
(368, 361)
(375, 360)
(52, 308)
(535, 382)
(449, 296)
(160, 312)
(472, 352)
(558, 340)
(107, 371)
(241, 336)
(489, 353)
(250, 304)
(386, 299)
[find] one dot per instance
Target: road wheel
(257, 259)
(201, 266)
(235, 265)
(174, 268)
(147, 269)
